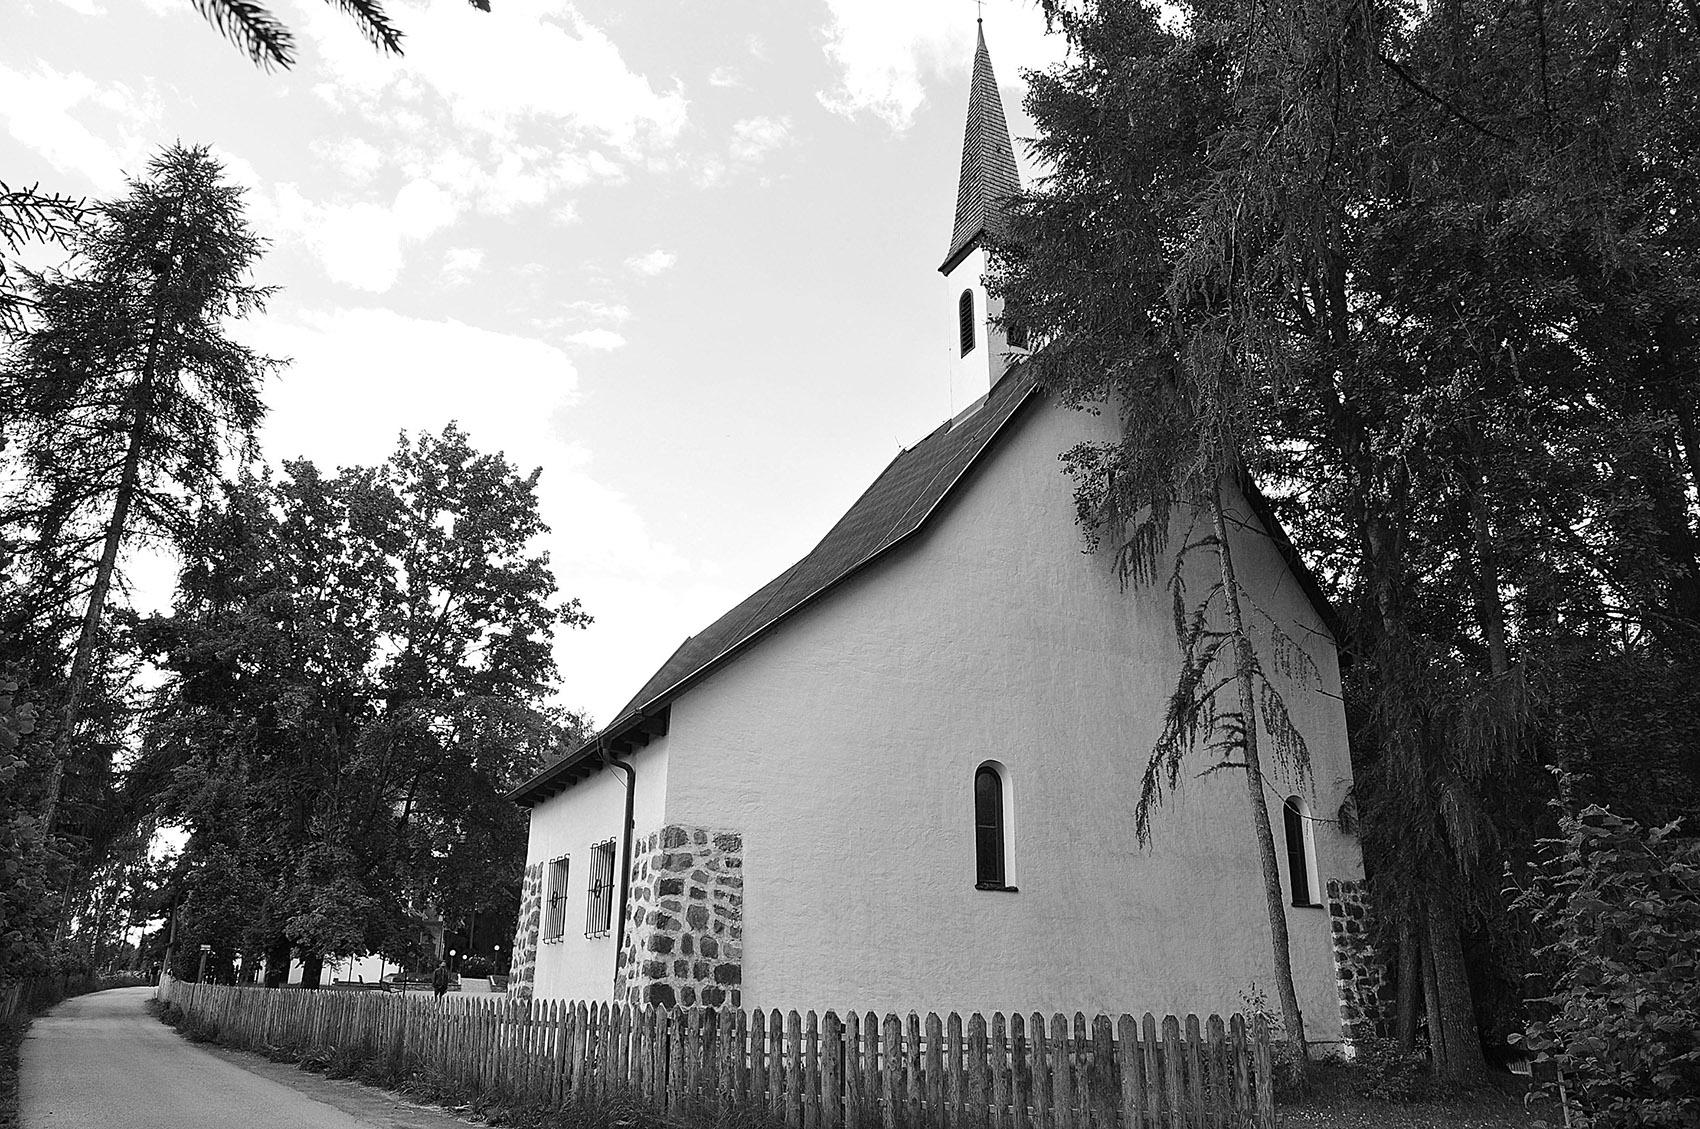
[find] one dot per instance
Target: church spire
(980, 349)
(988, 161)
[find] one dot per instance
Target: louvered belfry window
(555, 904)
(600, 910)
(965, 321)
(988, 829)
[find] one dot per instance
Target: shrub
(1623, 1027)
(1383, 1071)
(477, 968)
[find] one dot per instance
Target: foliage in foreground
(1623, 902)
(1418, 266)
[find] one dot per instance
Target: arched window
(989, 870)
(965, 321)
(1301, 851)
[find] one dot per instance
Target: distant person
(154, 972)
(440, 980)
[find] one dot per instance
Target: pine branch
(265, 39)
(369, 17)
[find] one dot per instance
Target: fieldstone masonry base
(1360, 976)
(523, 971)
(685, 937)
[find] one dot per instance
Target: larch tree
(1085, 267)
(1438, 264)
(126, 392)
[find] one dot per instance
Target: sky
(680, 254)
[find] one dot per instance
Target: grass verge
(1342, 1097)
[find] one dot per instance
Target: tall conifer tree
(126, 392)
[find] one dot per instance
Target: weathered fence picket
(809, 1071)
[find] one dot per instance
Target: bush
(1381, 1070)
(477, 968)
(1623, 1022)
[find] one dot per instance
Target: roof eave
(627, 734)
(962, 250)
(665, 697)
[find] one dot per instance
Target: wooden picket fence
(806, 1072)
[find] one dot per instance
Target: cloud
(354, 158)
(43, 111)
(460, 264)
(351, 366)
(599, 339)
(600, 311)
(495, 73)
(726, 78)
(886, 51)
(652, 263)
(361, 245)
(754, 138)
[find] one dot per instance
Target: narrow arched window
(1301, 852)
(988, 829)
(965, 321)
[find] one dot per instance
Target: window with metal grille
(599, 914)
(965, 321)
(988, 829)
(555, 900)
(1301, 852)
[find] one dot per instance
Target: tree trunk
(312, 969)
(82, 663)
(1460, 1059)
(277, 962)
(1431, 1009)
(1405, 999)
(1281, 948)
(1490, 609)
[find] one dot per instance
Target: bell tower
(980, 352)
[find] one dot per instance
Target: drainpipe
(613, 761)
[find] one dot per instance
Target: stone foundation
(1360, 975)
(522, 972)
(685, 931)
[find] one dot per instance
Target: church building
(902, 775)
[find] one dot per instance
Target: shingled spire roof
(988, 161)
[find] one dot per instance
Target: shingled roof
(895, 507)
(907, 493)
(988, 175)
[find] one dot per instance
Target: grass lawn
(1335, 1103)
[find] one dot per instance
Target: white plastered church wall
(843, 747)
(575, 966)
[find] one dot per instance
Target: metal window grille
(965, 321)
(600, 912)
(555, 901)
